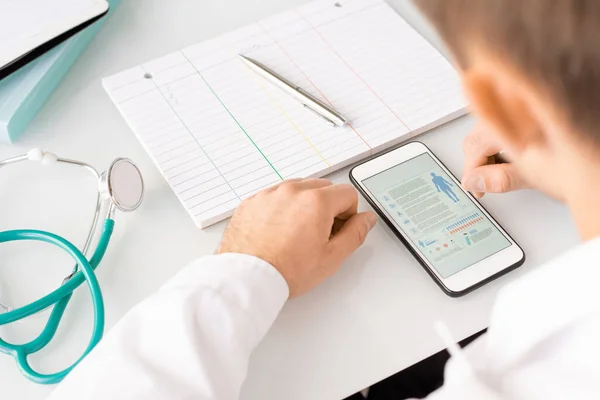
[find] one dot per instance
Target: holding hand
(305, 228)
(483, 174)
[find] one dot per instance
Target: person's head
(531, 70)
(432, 174)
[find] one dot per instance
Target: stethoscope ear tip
(35, 154)
(45, 157)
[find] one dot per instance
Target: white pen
(310, 102)
(454, 349)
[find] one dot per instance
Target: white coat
(193, 338)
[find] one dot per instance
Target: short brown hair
(556, 43)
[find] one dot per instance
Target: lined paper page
(219, 133)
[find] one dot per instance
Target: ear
(500, 99)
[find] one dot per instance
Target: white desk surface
(374, 318)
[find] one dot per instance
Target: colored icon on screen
(467, 239)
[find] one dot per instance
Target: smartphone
(449, 232)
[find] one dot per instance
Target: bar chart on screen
(464, 223)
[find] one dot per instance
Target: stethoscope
(122, 187)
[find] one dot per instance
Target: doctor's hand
(482, 172)
(305, 228)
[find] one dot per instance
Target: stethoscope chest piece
(122, 184)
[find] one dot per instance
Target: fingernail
(371, 220)
(475, 184)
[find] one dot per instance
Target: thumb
(351, 235)
(496, 178)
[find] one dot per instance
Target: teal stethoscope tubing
(58, 299)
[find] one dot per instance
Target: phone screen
(445, 225)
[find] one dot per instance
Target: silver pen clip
(319, 115)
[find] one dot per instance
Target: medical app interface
(444, 224)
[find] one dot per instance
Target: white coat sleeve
(192, 339)
(542, 342)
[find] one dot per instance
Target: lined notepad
(219, 133)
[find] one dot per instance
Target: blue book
(23, 93)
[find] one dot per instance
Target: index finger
(300, 184)
(341, 199)
(479, 147)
